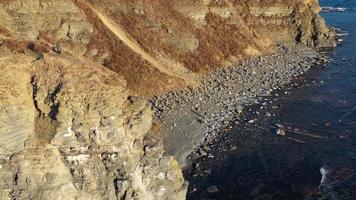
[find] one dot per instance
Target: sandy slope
(172, 68)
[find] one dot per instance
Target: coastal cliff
(74, 122)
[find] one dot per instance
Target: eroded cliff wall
(159, 45)
(69, 131)
(70, 127)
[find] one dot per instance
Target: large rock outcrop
(69, 126)
(69, 131)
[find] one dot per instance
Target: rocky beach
(196, 117)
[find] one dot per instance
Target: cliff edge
(74, 74)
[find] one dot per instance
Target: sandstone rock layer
(70, 127)
(68, 131)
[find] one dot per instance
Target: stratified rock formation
(68, 131)
(70, 127)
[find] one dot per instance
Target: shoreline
(192, 119)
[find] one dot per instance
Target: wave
(333, 9)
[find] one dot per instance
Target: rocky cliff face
(70, 127)
(68, 131)
(183, 38)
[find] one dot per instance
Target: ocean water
(316, 158)
(339, 3)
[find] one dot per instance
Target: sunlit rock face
(70, 127)
(157, 46)
(69, 131)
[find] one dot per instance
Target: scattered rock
(219, 101)
(281, 132)
(252, 121)
(212, 189)
(327, 124)
(57, 48)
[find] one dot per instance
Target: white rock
(81, 158)
(69, 132)
(280, 132)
